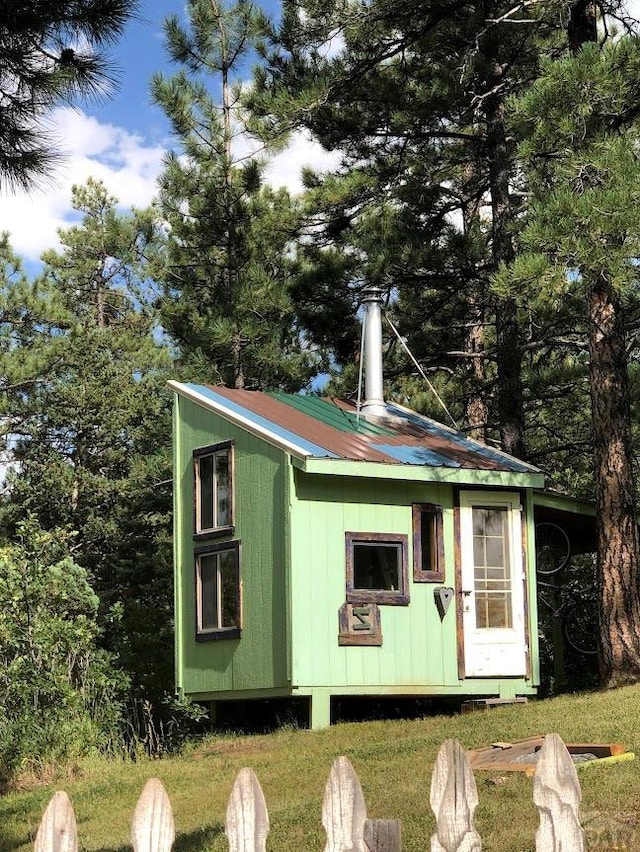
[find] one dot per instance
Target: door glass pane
(209, 592)
(205, 494)
(495, 551)
(492, 568)
(229, 581)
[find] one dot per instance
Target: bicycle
(572, 604)
(553, 548)
(575, 610)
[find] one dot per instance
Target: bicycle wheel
(552, 548)
(581, 628)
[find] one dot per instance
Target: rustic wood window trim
(201, 533)
(399, 597)
(423, 513)
(215, 633)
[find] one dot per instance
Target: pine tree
(50, 54)
(583, 238)
(428, 194)
(92, 432)
(414, 99)
(230, 253)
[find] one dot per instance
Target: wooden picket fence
(454, 798)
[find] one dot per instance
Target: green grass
(393, 759)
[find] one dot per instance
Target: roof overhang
(553, 500)
(420, 473)
(577, 518)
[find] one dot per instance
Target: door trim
(471, 495)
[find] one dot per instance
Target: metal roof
(310, 426)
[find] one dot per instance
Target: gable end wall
(258, 659)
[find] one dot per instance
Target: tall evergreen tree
(92, 437)
(230, 252)
(413, 98)
(583, 236)
(50, 53)
(428, 193)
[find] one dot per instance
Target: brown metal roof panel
(343, 444)
(408, 440)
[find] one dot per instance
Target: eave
(419, 473)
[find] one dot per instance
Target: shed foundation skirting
(320, 698)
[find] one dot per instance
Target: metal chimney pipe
(372, 329)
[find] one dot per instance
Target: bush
(60, 695)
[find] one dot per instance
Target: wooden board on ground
(511, 757)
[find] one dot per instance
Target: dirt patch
(37, 775)
(242, 745)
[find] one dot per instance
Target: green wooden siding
(257, 660)
(291, 525)
(418, 647)
(419, 650)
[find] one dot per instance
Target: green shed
(324, 549)
(320, 553)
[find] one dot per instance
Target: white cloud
(127, 165)
(633, 8)
(286, 168)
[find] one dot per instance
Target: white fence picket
(152, 828)
(557, 795)
(247, 823)
(343, 810)
(57, 831)
(454, 798)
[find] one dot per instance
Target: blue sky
(138, 55)
(120, 141)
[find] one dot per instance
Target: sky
(120, 141)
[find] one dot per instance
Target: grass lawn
(393, 759)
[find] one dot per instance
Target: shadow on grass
(194, 841)
(19, 825)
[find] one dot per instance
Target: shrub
(60, 695)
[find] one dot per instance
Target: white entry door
(492, 592)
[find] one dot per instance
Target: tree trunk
(476, 407)
(582, 24)
(618, 545)
(500, 163)
(508, 349)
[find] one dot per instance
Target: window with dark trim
(428, 543)
(213, 485)
(218, 591)
(377, 568)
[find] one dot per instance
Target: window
(218, 607)
(213, 489)
(492, 567)
(377, 568)
(428, 543)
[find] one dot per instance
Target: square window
(377, 568)
(218, 598)
(428, 543)
(213, 489)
